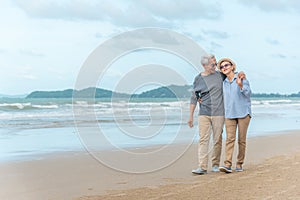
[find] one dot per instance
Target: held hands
(242, 75)
(239, 79)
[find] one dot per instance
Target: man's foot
(199, 171)
(225, 169)
(215, 169)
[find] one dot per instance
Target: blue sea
(31, 128)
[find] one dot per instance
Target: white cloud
(279, 55)
(3, 51)
(31, 53)
(196, 37)
(26, 72)
(27, 76)
(55, 37)
(266, 5)
(180, 10)
(274, 5)
(216, 34)
(272, 41)
(69, 9)
(132, 13)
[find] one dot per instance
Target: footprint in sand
(122, 183)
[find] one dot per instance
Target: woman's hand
(242, 75)
(239, 81)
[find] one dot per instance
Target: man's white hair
(205, 59)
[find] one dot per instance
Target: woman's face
(226, 67)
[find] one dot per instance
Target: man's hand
(192, 109)
(190, 123)
(241, 75)
(239, 81)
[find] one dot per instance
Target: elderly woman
(237, 104)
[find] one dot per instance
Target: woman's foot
(239, 168)
(225, 169)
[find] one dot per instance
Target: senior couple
(223, 96)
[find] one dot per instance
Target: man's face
(211, 67)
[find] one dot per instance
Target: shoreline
(78, 147)
(76, 175)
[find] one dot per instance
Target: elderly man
(208, 91)
(208, 86)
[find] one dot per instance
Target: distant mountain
(51, 94)
(85, 93)
(274, 95)
(171, 91)
(98, 93)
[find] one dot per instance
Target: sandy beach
(271, 172)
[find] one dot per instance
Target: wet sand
(272, 171)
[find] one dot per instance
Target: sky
(44, 43)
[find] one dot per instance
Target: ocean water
(30, 128)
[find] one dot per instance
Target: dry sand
(272, 171)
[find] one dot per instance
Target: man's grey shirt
(210, 88)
